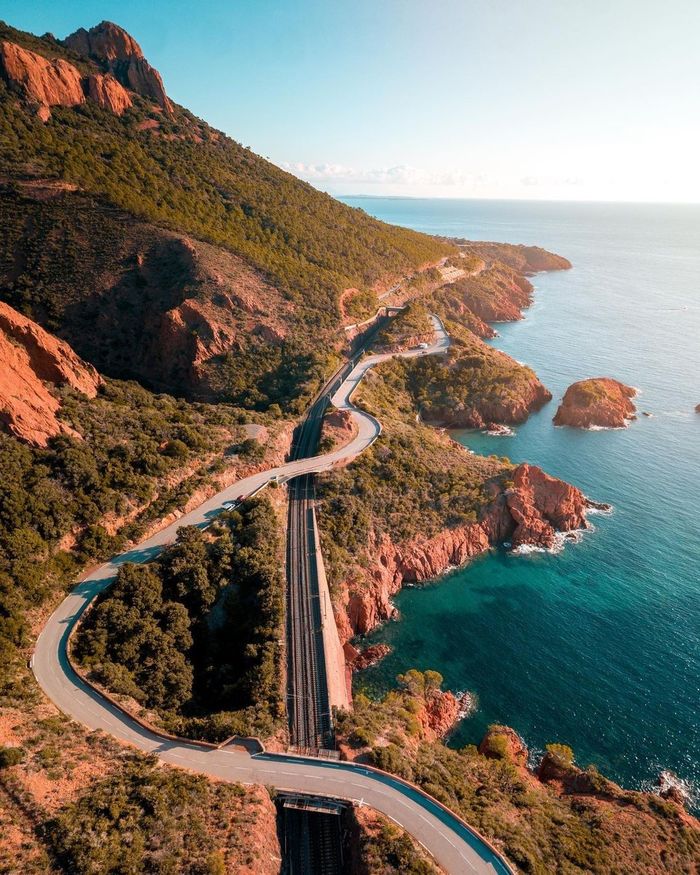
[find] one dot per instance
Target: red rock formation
(121, 55)
(106, 41)
(357, 660)
(502, 742)
(530, 511)
(508, 294)
(438, 715)
(29, 358)
(48, 83)
(540, 506)
(486, 412)
(104, 89)
(601, 402)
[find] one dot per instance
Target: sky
(534, 99)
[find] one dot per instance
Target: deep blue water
(599, 645)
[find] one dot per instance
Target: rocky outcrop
(338, 429)
(510, 409)
(502, 742)
(358, 660)
(39, 80)
(540, 506)
(438, 715)
(106, 41)
(56, 82)
(104, 89)
(29, 359)
(496, 295)
(119, 54)
(673, 789)
(530, 509)
(600, 402)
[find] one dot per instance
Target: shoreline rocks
(531, 508)
(600, 402)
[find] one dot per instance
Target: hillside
(279, 251)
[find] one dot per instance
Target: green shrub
(10, 756)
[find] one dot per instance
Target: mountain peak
(118, 53)
(105, 41)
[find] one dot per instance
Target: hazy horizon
(543, 101)
(540, 200)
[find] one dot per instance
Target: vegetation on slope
(473, 385)
(411, 480)
(409, 325)
(376, 846)
(189, 177)
(541, 827)
(150, 819)
(195, 634)
(135, 450)
(79, 802)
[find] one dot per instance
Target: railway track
(310, 719)
(307, 691)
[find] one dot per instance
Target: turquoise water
(599, 645)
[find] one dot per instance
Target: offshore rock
(600, 402)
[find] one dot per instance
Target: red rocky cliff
(530, 510)
(119, 54)
(104, 89)
(40, 81)
(600, 402)
(29, 359)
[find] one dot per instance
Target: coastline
(639, 567)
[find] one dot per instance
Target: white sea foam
(468, 703)
(561, 539)
(527, 549)
(689, 790)
(608, 427)
(603, 511)
(500, 431)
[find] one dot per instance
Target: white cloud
(549, 181)
(400, 175)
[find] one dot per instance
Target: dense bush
(155, 820)
(540, 829)
(195, 634)
(45, 494)
(10, 756)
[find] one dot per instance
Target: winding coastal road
(452, 843)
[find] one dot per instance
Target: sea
(598, 645)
